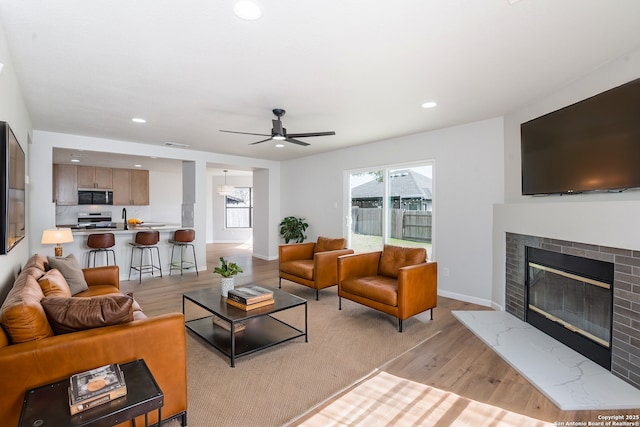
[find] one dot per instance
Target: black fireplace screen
(570, 298)
(580, 304)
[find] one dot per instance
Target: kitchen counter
(118, 228)
(122, 247)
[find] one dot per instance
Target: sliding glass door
(391, 205)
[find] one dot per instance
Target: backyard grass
(368, 243)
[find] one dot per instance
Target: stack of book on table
(250, 297)
(95, 387)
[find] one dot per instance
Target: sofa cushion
(395, 257)
(54, 284)
(377, 288)
(299, 268)
(77, 314)
(71, 271)
(326, 244)
(38, 261)
(22, 315)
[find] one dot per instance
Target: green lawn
(367, 243)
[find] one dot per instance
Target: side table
(48, 405)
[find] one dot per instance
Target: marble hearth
(625, 343)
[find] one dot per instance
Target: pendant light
(225, 190)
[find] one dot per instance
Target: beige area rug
(388, 400)
(274, 386)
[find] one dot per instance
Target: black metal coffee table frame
(261, 330)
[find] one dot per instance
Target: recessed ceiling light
(429, 104)
(138, 120)
(279, 145)
(247, 10)
(75, 160)
(137, 166)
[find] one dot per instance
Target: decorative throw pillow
(326, 244)
(77, 314)
(72, 272)
(54, 284)
(395, 257)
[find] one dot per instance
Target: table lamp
(56, 236)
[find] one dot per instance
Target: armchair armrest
(417, 288)
(100, 276)
(358, 265)
(295, 251)
(325, 266)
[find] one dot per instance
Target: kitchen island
(122, 247)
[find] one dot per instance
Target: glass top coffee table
(246, 331)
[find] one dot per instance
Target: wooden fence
(405, 225)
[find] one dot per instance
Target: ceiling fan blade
(295, 141)
(258, 142)
(303, 135)
(245, 133)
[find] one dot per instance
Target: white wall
(468, 181)
(609, 219)
(14, 112)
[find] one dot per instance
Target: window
(239, 208)
(391, 205)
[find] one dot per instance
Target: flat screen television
(12, 189)
(592, 145)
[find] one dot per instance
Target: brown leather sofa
(397, 281)
(41, 357)
(312, 264)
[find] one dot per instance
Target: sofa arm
(296, 251)
(417, 288)
(325, 265)
(102, 276)
(358, 265)
(160, 341)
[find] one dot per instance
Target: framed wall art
(12, 190)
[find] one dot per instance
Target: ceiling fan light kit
(279, 133)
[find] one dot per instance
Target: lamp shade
(56, 236)
(225, 190)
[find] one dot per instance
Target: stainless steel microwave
(95, 197)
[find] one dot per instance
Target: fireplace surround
(625, 306)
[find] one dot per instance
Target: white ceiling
(361, 68)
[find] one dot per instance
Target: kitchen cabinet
(65, 185)
(95, 177)
(130, 187)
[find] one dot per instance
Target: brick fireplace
(625, 342)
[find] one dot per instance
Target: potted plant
(227, 270)
(292, 228)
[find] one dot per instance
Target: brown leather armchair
(397, 281)
(312, 264)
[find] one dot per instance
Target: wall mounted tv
(593, 145)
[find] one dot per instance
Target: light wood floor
(454, 360)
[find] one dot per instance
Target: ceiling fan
(279, 133)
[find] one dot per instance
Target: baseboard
(465, 298)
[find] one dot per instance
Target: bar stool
(182, 239)
(101, 242)
(145, 240)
